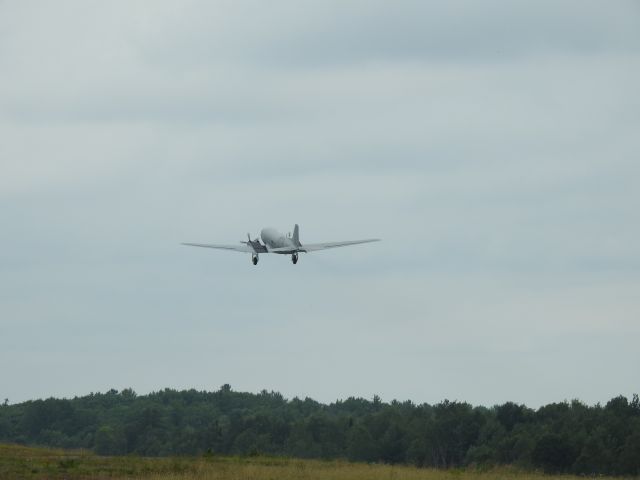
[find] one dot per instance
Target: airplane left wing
(312, 247)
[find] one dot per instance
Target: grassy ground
(17, 462)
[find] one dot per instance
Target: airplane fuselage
(274, 239)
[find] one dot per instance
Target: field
(18, 462)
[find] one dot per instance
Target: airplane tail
(296, 235)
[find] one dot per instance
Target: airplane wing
(313, 247)
(237, 248)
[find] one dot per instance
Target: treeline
(560, 437)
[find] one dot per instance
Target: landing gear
(294, 258)
(254, 259)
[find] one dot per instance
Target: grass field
(18, 462)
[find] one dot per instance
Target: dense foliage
(560, 437)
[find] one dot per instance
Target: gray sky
(492, 145)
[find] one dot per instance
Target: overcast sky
(493, 146)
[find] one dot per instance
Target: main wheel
(294, 258)
(254, 259)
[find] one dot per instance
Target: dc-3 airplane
(275, 242)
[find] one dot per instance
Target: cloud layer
(493, 147)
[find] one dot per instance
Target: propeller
(249, 239)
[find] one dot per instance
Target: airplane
(275, 242)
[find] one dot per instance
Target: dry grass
(283, 469)
(17, 462)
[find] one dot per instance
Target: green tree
(109, 441)
(629, 463)
(361, 445)
(553, 453)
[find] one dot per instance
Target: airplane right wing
(313, 247)
(244, 248)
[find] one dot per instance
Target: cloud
(307, 34)
(492, 147)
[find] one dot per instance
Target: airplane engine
(254, 259)
(294, 258)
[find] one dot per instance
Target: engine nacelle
(254, 259)
(294, 258)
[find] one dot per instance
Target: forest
(565, 437)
